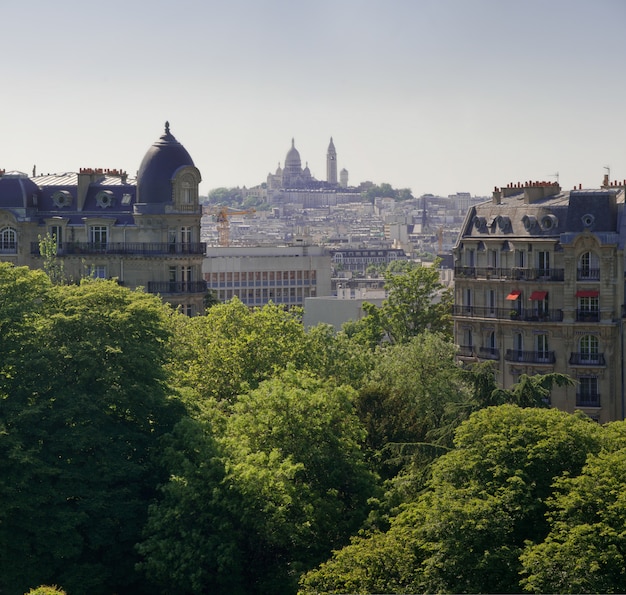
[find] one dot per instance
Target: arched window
(8, 240)
(588, 266)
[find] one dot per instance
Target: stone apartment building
(539, 287)
(143, 232)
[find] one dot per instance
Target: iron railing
(525, 315)
(130, 248)
(164, 287)
(530, 357)
(514, 274)
(587, 359)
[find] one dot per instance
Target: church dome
(156, 172)
(292, 161)
(17, 190)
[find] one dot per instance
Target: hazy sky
(441, 96)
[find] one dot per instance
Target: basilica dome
(292, 161)
(158, 168)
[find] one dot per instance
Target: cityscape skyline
(439, 96)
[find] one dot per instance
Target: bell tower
(331, 164)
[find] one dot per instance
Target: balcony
(587, 359)
(586, 274)
(466, 351)
(514, 274)
(165, 287)
(587, 400)
(587, 316)
(126, 248)
(529, 315)
(530, 357)
(488, 353)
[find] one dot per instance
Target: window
(491, 300)
(520, 259)
(98, 235)
(185, 235)
(589, 348)
(543, 263)
(588, 306)
(8, 240)
(97, 271)
(469, 257)
(492, 258)
(541, 344)
(588, 266)
(588, 395)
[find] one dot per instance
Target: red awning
(513, 295)
(588, 293)
(538, 295)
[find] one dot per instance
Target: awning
(513, 295)
(538, 295)
(588, 293)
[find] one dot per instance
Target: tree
(412, 401)
(83, 401)
(417, 301)
(530, 391)
(233, 347)
(585, 551)
(487, 498)
(283, 484)
(52, 265)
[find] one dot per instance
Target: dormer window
(105, 199)
(62, 199)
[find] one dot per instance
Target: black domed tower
(167, 175)
(168, 214)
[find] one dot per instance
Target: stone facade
(144, 232)
(539, 287)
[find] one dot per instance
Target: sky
(440, 96)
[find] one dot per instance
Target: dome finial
(167, 127)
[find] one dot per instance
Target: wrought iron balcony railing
(515, 273)
(587, 316)
(586, 274)
(489, 353)
(164, 287)
(530, 357)
(466, 351)
(130, 248)
(587, 359)
(524, 315)
(587, 400)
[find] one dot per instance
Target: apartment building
(539, 288)
(143, 232)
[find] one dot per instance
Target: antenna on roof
(556, 176)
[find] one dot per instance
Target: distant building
(539, 287)
(284, 275)
(295, 185)
(143, 232)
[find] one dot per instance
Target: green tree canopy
(417, 301)
(585, 551)
(83, 400)
(487, 498)
(284, 484)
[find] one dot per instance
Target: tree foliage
(486, 499)
(416, 302)
(284, 484)
(585, 551)
(82, 402)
